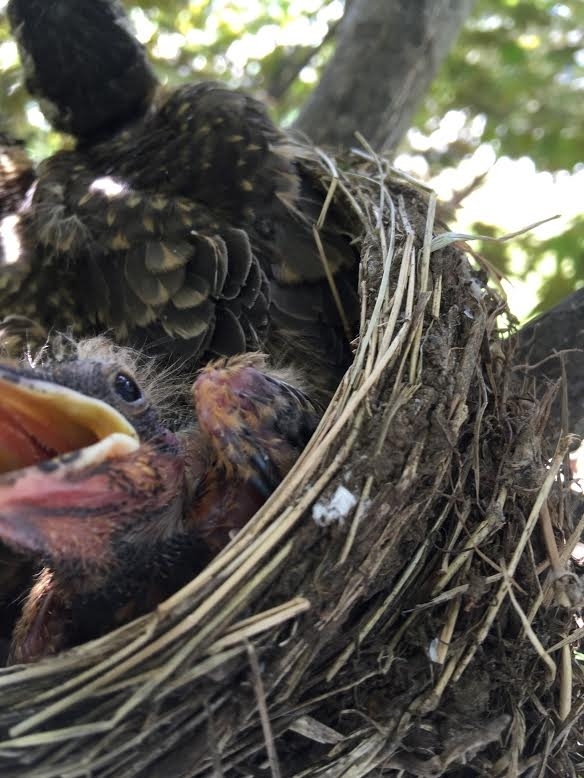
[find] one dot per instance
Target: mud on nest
(429, 632)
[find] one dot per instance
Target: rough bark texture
(387, 54)
(541, 343)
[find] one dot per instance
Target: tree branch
(560, 329)
(290, 66)
(387, 54)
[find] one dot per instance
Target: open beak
(71, 467)
(42, 422)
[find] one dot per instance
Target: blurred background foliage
(500, 134)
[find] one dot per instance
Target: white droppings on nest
(476, 289)
(334, 510)
(432, 651)
(577, 469)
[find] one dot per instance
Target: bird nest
(398, 607)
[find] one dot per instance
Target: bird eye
(127, 388)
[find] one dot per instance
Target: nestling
(118, 509)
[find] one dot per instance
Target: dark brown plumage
(187, 227)
(82, 62)
(16, 175)
(119, 510)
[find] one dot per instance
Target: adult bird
(16, 175)
(116, 509)
(183, 220)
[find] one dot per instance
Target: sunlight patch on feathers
(9, 240)
(108, 186)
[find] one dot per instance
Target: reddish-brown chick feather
(256, 423)
(156, 514)
(43, 624)
(256, 420)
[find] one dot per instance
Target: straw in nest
(425, 632)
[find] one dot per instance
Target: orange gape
(120, 523)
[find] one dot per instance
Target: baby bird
(118, 509)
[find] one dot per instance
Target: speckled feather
(186, 227)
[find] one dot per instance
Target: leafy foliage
(517, 73)
(521, 65)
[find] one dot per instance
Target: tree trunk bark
(540, 344)
(387, 54)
